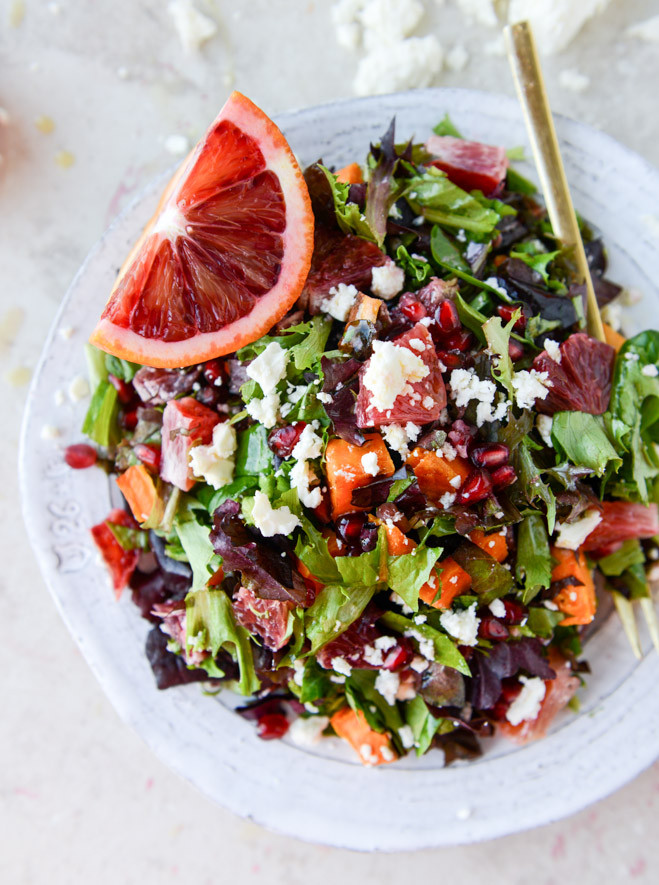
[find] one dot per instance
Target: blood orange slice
(224, 257)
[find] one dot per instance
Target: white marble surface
(82, 799)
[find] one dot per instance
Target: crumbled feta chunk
(298, 667)
(193, 27)
(463, 813)
(447, 500)
(419, 664)
(272, 521)
(466, 385)
(67, 332)
(49, 431)
(301, 477)
(455, 481)
(572, 535)
(340, 301)
(387, 280)
(493, 283)
(406, 64)
(555, 23)
(307, 732)
(544, 423)
(385, 642)
(215, 463)
(269, 367)
(463, 625)
(553, 350)
(340, 665)
(497, 608)
(387, 683)
(457, 58)
(650, 370)
(390, 371)
(398, 600)
(530, 386)
(526, 705)
(388, 21)
(324, 397)
(309, 445)
(370, 463)
(178, 145)
(78, 389)
(406, 736)
(59, 397)
(573, 80)
(373, 656)
(481, 11)
(417, 344)
(647, 30)
(265, 410)
(550, 605)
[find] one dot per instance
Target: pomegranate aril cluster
(283, 440)
(492, 470)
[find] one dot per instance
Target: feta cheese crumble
(309, 445)
(466, 385)
(387, 683)
(215, 463)
(650, 371)
(307, 732)
(269, 367)
(572, 535)
(78, 389)
(391, 370)
(272, 521)
(397, 437)
(340, 301)
(193, 27)
(544, 423)
(530, 386)
(370, 463)
(406, 736)
(462, 625)
(265, 410)
(301, 477)
(553, 350)
(528, 702)
(407, 64)
(387, 281)
(497, 608)
(573, 80)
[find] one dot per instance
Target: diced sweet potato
(137, 487)
(350, 174)
(495, 543)
(345, 471)
(436, 475)
(453, 581)
(577, 601)
(372, 747)
(615, 339)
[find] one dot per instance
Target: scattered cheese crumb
(78, 389)
(370, 463)
(573, 80)
(390, 371)
(463, 625)
(387, 281)
(572, 535)
(193, 27)
(177, 145)
(324, 397)
(457, 58)
(214, 463)
(647, 30)
(49, 431)
(264, 410)
(301, 477)
(544, 423)
(650, 370)
(309, 445)
(406, 736)
(553, 350)
(59, 397)
(269, 368)
(66, 332)
(307, 732)
(466, 385)
(526, 705)
(530, 386)
(555, 22)
(387, 683)
(340, 301)
(272, 521)
(497, 608)
(340, 665)
(408, 64)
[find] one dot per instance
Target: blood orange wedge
(224, 257)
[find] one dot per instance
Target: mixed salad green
(394, 518)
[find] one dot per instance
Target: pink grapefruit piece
(225, 255)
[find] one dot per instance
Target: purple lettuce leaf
(504, 660)
(157, 386)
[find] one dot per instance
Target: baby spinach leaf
(423, 724)
(630, 554)
(446, 127)
(433, 195)
(253, 455)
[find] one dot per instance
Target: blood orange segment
(622, 520)
(121, 563)
(226, 254)
(469, 164)
(581, 381)
(186, 423)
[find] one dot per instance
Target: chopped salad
(394, 517)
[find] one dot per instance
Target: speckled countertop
(82, 798)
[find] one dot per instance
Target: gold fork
(529, 81)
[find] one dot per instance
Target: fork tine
(626, 613)
(650, 614)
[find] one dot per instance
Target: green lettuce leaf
(417, 272)
(129, 539)
(535, 256)
(498, 339)
(446, 652)
(446, 253)
(630, 554)
(211, 625)
(582, 439)
(333, 611)
(542, 622)
(489, 579)
(362, 695)
(530, 485)
(121, 368)
(253, 455)
(423, 724)
(515, 181)
(311, 348)
(446, 127)
(434, 196)
(100, 423)
(194, 536)
(349, 216)
(410, 571)
(534, 563)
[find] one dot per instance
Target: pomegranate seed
(213, 370)
(272, 726)
(447, 318)
(515, 350)
(461, 435)
(124, 392)
(506, 312)
(80, 455)
(283, 440)
(149, 455)
(450, 360)
(398, 657)
(461, 340)
(503, 477)
(129, 419)
(491, 455)
(368, 537)
(477, 486)
(412, 308)
(349, 527)
(490, 628)
(515, 612)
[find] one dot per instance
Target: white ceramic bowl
(324, 795)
